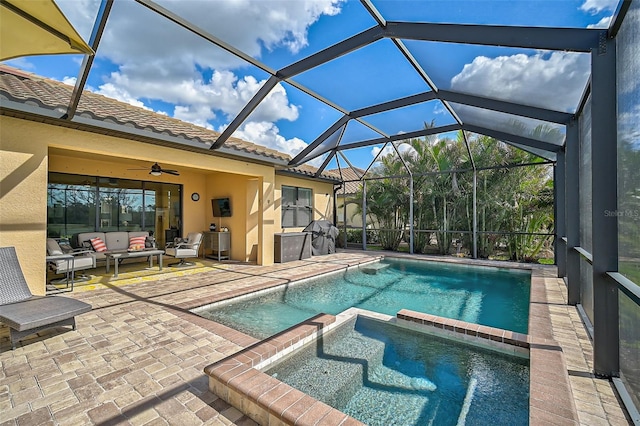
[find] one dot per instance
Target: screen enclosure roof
(331, 83)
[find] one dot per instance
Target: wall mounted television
(221, 207)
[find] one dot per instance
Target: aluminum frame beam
(87, 61)
(564, 39)
(342, 121)
(402, 136)
(246, 111)
(506, 107)
(395, 104)
(332, 52)
(522, 140)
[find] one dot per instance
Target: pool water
(488, 296)
(382, 374)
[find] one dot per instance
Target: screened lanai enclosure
(484, 129)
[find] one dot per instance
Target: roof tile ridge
(107, 103)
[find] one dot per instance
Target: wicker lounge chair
(26, 314)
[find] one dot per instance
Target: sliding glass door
(79, 203)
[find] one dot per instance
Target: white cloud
(112, 91)
(555, 80)
(388, 149)
(597, 6)
(162, 61)
(603, 23)
(267, 134)
(70, 81)
(197, 115)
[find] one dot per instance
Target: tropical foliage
(514, 204)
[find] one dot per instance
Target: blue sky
(149, 62)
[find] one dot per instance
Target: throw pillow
(98, 245)
(137, 243)
(66, 247)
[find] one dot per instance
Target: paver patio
(138, 357)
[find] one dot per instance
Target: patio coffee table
(119, 256)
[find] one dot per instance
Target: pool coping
(238, 380)
(269, 401)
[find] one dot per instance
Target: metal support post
(475, 213)
(572, 210)
(344, 213)
(606, 340)
(411, 214)
(364, 215)
(559, 220)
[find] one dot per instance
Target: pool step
(326, 371)
(373, 268)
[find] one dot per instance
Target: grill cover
(323, 237)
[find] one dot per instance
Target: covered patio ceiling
(371, 73)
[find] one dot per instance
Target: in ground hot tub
(376, 369)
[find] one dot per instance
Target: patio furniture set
(115, 247)
(26, 314)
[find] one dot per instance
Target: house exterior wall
(354, 218)
(248, 219)
(23, 198)
(30, 150)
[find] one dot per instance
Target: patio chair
(82, 260)
(26, 314)
(185, 249)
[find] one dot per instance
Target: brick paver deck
(138, 357)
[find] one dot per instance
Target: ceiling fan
(156, 170)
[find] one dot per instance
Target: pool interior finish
(488, 296)
(382, 374)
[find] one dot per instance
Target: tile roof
(348, 174)
(27, 88)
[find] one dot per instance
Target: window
(78, 203)
(297, 209)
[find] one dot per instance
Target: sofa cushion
(118, 240)
(53, 249)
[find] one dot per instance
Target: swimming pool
(489, 296)
(382, 374)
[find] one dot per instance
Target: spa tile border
(466, 328)
(265, 399)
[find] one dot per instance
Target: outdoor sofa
(26, 314)
(113, 241)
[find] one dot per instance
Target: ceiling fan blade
(171, 172)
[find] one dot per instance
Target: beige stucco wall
(354, 218)
(29, 150)
(23, 198)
